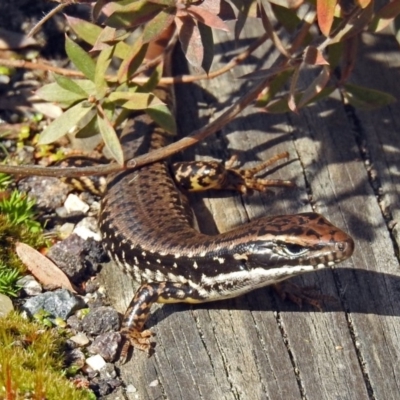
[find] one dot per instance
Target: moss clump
(31, 363)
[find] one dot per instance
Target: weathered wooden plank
(377, 136)
(256, 346)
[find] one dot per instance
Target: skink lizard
(147, 229)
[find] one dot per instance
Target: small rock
(92, 286)
(75, 323)
(154, 383)
(60, 303)
(106, 345)
(96, 362)
(65, 230)
(30, 285)
(68, 256)
(6, 305)
(75, 357)
(74, 204)
(77, 257)
(100, 320)
(49, 192)
(88, 228)
(131, 389)
(80, 339)
(100, 387)
(108, 372)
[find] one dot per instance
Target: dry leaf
(44, 270)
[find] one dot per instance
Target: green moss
(31, 363)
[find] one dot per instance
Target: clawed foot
(300, 295)
(139, 340)
(245, 180)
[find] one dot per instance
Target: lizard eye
(294, 249)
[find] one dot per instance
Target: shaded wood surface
(346, 165)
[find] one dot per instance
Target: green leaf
(85, 30)
(110, 137)
(130, 14)
(70, 85)
(158, 24)
(55, 94)
(63, 124)
(102, 64)
(90, 129)
(132, 61)
(366, 98)
(80, 58)
(162, 115)
(90, 32)
(137, 101)
(208, 43)
(154, 79)
(288, 18)
(275, 86)
(280, 106)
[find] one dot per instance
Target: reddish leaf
(325, 13)
(44, 270)
(207, 18)
(190, 38)
(212, 6)
(313, 56)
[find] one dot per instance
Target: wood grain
(346, 166)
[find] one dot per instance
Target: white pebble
(96, 362)
(75, 204)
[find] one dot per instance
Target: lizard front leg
(138, 312)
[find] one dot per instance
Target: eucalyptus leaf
(162, 115)
(102, 64)
(110, 138)
(139, 101)
(90, 32)
(69, 85)
(80, 58)
(64, 124)
(366, 98)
